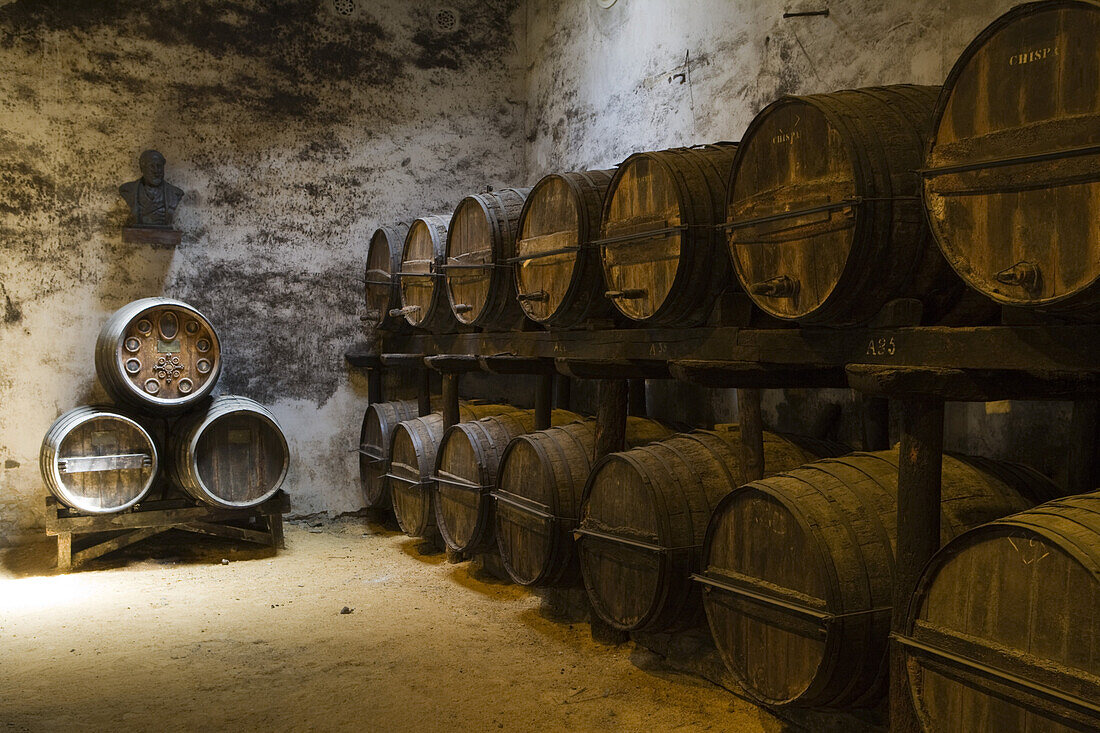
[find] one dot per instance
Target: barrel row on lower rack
(229, 452)
(794, 573)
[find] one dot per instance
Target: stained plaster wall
(603, 83)
(293, 129)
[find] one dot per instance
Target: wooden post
(611, 417)
(875, 422)
(1082, 468)
(424, 393)
(275, 525)
(920, 466)
(636, 401)
(561, 391)
(64, 552)
(751, 420)
(450, 399)
(544, 395)
(374, 385)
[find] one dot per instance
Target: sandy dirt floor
(167, 637)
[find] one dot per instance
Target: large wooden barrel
(1004, 629)
(825, 223)
(423, 302)
(231, 455)
(558, 277)
(799, 570)
(381, 289)
(375, 439)
(466, 473)
(663, 260)
(643, 517)
(481, 241)
(412, 466)
(98, 460)
(1012, 184)
(538, 497)
(158, 354)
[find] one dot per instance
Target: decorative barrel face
(1005, 622)
(380, 286)
(824, 218)
(423, 303)
(158, 354)
(1011, 185)
(798, 570)
(232, 455)
(98, 460)
(662, 260)
(558, 278)
(480, 242)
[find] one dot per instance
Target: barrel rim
(98, 412)
(1004, 20)
(199, 429)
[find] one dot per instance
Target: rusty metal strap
(528, 506)
(1012, 160)
(374, 456)
(547, 253)
(407, 480)
(631, 542)
(463, 484)
(417, 274)
(470, 266)
(93, 464)
(638, 237)
(997, 675)
(378, 282)
(817, 615)
(834, 206)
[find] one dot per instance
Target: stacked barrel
(159, 359)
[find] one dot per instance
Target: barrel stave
(375, 436)
(381, 286)
(423, 303)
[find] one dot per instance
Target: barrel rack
(150, 518)
(913, 370)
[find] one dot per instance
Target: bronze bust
(151, 199)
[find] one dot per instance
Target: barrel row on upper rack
(793, 572)
(831, 206)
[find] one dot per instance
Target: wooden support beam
(544, 396)
(424, 392)
(450, 399)
(228, 531)
(874, 414)
(920, 466)
(611, 417)
(756, 375)
(613, 368)
(973, 385)
(508, 364)
(65, 551)
(562, 386)
(374, 386)
(1084, 441)
(751, 420)
(636, 401)
(116, 543)
(275, 528)
(446, 363)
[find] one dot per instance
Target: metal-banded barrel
(825, 223)
(98, 460)
(1005, 623)
(1012, 178)
(233, 454)
(412, 465)
(423, 300)
(158, 354)
(557, 269)
(798, 570)
(664, 261)
(481, 242)
(466, 472)
(538, 497)
(381, 288)
(644, 514)
(375, 436)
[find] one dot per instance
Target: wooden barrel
(231, 455)
(412, 466)
(481, 241)
(558, 277)
(158, 354)
(423, 303)
(380, 284)
(643, 517)
(825, 223)
(799, 570)
(538, 497)
(663, 259)
(1012, 181)
(375, 439)
(466, 473)
(1004, 629)
(98, 460)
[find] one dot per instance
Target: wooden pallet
(154, 517)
